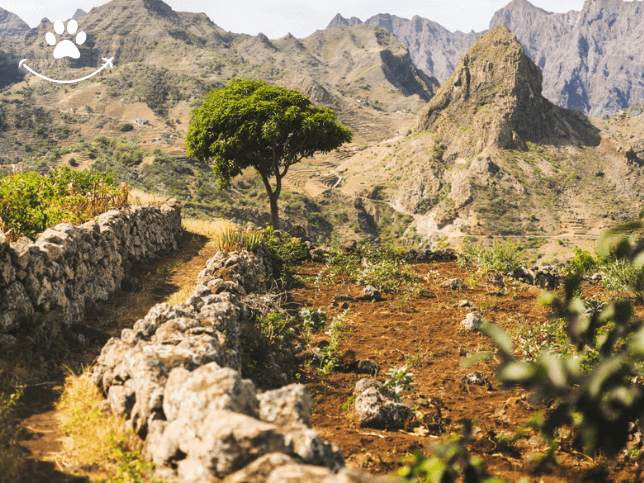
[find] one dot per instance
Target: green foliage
(127, 127)
(313, 320)
(285, 250)
(30, 202)
(253, 124)
(399, 380)
(331, 354)
(235, 238)
(620, 274)
(582, 263)
(132, 468)
(593, 382)
(275, 327)
(501, 257)
(450, 461)
(371, 264)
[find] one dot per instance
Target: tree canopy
(253, 124)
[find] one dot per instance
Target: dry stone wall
(175, 377)
(51, 280)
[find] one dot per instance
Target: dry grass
(138, 197)
(93, 439)
(211, 229)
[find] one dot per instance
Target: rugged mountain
(79, 13)
(493, 156)
(591, 60)
(493, 99)
(12, 26)
(433, 49)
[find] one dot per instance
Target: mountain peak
(12, 26)
(493, 99)
(340, 20)
(79, 13)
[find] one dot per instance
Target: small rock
(472, 321)
(349, 246)
(596, 276)
(495, 279)
(367, 367)
(455, 284)
(363, 384)
(318, 255)
(476, 379)
(370, 293)
(344, 306)
(465, 303)
(7, 342)
(375, 410)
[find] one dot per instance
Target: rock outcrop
(591, 59)
(12, 26)
(433, 49)
(52, 279)
(175, 376)
(493, 99)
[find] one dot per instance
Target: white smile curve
(107, 62)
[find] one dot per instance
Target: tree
(250, 123)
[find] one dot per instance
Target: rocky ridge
(12, 26)
(433, 49)
(175, 377)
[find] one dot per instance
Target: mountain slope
(591, 60)
(432, 47)
(12, 26)
(493, 156)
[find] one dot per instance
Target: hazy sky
(276, 18)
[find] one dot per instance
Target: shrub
(313, 320)
(127, 127)
(620, 274)
(504, 258)
(233, 238)
(30, 202)
(582, 263)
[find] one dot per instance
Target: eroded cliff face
(591, 60)
(493, 99)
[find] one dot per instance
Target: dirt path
(151, 283)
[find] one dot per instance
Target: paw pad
(66, 48)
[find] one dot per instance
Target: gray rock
(367, 367)
(259, 470)
(318, 255)
(363, 384)
(374, 410)
(286, 405)
(477, 379)
(370, 293)
(455, 284)
(465, 304)
(472, 321)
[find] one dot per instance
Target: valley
(484, 172)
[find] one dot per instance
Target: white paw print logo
(66, 48)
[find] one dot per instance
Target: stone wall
(51, 280)
(175, 377)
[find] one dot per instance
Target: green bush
(30, 202)
(582, 263)
(127, 127)
(620, 274)
(501, 257)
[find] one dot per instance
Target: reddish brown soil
(385, 333)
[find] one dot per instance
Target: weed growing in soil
(380, 266)
(501, 257)
(234, 238)
(399, 380)
(313, 321)
(275, 327)
(331, 354)
(450, 461)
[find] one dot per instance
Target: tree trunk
(275, 220)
